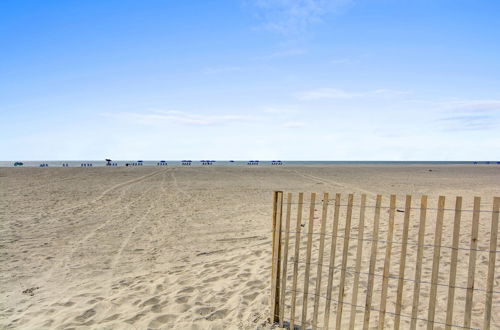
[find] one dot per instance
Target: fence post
(275, 275)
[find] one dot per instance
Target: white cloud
(156, 117)
(291, 16)
(343, 61)
(293, 124)
(283, 53)
(470, 115)
(221, 69)
(334, 93)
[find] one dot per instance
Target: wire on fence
(400, 207)
(392, 276)
(395, 242)
(388, 312)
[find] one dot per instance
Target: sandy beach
(179, 247)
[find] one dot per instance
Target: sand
(173, 247)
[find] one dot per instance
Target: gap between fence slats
(285, 258)
(472, 262)
(347, 232)
(359, 255)
(373, 261)
(308, 258)
(333, 247)
(296, 260)
(491, 264)
(320, 260)
(453, 262)
(418, 263)
(402, 262)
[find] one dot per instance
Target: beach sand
(182, 247)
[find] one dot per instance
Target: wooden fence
(411, 266)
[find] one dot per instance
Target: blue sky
(263, 79)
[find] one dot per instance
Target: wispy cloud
(221, 69)
(343, 61)
(156, 117)
(335, 93)
(282, 54)
(292, 16)
(467, 115)
(280, 110)
(294, 124)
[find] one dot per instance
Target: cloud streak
(334, 93)
(156, 117)
(470, 115)
(293, 16)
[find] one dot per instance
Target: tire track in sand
(333, 183)
(132, 231)
(102, 225)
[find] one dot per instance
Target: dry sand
(176, 247)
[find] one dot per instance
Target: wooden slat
(453, 262)
(277, 210)
(285, 259)
(296, 259)
(347, 233)
(472, 261)
(359, 256)
(320, 260)
(333, 248)
(308, 259)
(402, 262)
(491, 264)
(373, 261)
(418, 263)
(387, 263)
(435, 263)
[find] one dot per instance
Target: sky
(243, 79)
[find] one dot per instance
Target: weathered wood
(296, 259)
(320, 260)
(308, 259)
(347, 234)
(402, 262)
(285, 259)
(472, 262)
(418, 263)
(333, 248)
(387, 263)
(275, 273)
(453, 262)
(373, 261)
(359, 256)
(435, 263)
(491, 264)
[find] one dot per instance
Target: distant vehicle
(18, 164)
(231, 161)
